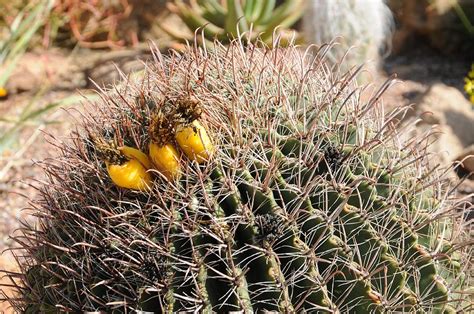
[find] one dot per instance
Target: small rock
(448, 116)
(446, 105)
(467, 160)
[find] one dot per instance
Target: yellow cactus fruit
(166, 159)
(3, 93)
(134, 153)
(163, 154)
(126, 166)
(195, 142)
(130, 175)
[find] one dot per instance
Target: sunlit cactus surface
(242, 178)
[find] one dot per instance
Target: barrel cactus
(265, 183)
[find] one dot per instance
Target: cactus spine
(309, 202)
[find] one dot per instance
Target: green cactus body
(310, 203)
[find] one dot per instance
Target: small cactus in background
(365, 26)
(294, 196)
(227, 19)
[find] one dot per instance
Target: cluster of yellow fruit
(134, 173)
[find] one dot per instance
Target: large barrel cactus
(243, 179)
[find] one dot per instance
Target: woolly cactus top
(310, 201)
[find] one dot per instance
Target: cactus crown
(311, 201)
(171, 115)
(107, 150)
(161, 127)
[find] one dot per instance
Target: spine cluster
(174, 124)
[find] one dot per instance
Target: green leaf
(195, 21)
(285, 16)
(266, 11)
(248, 8)
(211, 13)
(22, 31)
(215, 5)
(235, 18)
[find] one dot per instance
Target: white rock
(449, 116)
(447, 106)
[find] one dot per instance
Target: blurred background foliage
(89, 23)
(229, 19)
